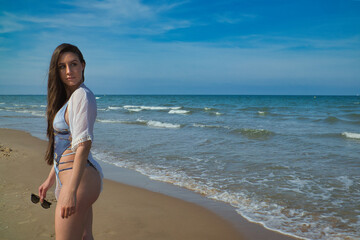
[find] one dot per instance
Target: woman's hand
(67, 202)
(43, 189)
(46, 185)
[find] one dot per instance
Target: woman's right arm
(47, 184)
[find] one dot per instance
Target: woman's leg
(88, 191)
(69, 228)
(87, 234)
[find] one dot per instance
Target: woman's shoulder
(83, 93)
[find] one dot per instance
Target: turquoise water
(291, 163)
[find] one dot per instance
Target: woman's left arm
(81, 116)
(68, 200)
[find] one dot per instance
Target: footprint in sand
(5, 151)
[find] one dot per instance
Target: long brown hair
(56, 94)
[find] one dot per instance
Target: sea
(290, 163)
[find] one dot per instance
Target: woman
(71, 113)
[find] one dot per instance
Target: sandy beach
(121, 212)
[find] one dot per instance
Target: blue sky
(186, 46)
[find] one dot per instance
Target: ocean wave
(213, 111)
(346, 181)
(158, 124)
(156, 108)
(331, 119)
(262, 113)
(150, 123)
(335, 120)
(354, 116)
(109, 121)
(113, 108)
(97, 98)
(21, 117)
(207, 110)
(209, 126)
(217, 113)
(36, 106)
(134, 109)
(34, 113)
(295, 222)
(326, 135)
(254, 133)
(184, 112)
(351, 135)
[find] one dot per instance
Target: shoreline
(209, 219)
(250, 230)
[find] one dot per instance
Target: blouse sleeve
(82, 115)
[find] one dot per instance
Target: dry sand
(121, 212)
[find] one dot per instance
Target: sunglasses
(35, 199)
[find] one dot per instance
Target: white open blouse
(82, 112)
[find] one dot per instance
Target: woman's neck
(70, 89)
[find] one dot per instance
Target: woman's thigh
(69, 228)
(87, 193)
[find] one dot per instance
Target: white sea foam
(351, 135)
(114, 108)
(150, 123)
(158, 124)
(154, 108)
(346, 181)
(134, 109)
(97, 97)
(212, 112)
(34, 113)
(128, 107)
(199, 125)
(209, 126)
(179, 112)
(109, 121)
(297, 185)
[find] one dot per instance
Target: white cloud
(9, 23)
(120, 17)
(126, 9)
(167, 7)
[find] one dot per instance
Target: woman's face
(70, 69)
